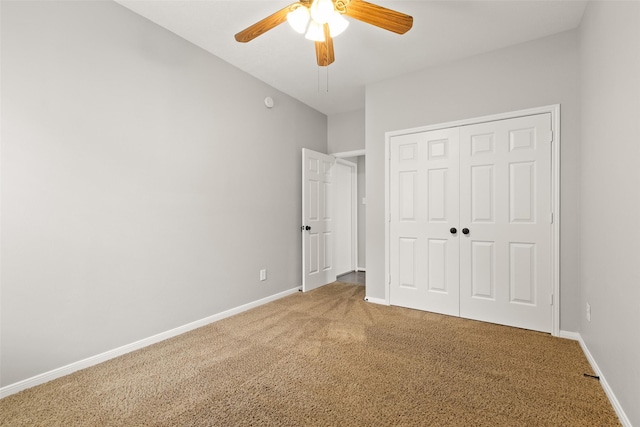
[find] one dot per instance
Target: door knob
(307, 228)
(453, 230)
(465, 231)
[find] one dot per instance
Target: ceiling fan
(322, 20)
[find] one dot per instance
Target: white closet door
(424, 260)
(505, 203)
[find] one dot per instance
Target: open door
(317, 220)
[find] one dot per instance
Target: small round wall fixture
(268, 101)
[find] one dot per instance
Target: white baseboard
(569, 335)
(103, 357)
(624, 420)
(361, 269)
(380, 301)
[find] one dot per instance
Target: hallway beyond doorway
(355, 277)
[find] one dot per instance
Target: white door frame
(554, 110)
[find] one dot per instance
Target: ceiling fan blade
(379, 16)
(265, 25)
(324, 50)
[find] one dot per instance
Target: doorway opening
(358, 209)
(332, 220)
(354, 277)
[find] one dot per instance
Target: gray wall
(144, 183)
(346, 132)
(532, 74)
(610, 196)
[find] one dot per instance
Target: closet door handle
(453, 230)
(465, 231)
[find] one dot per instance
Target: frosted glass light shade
(322, 11)
(315, 32)
(299, 19)
(337, 24)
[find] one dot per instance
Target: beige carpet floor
(327, 358)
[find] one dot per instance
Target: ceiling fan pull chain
(326, 87)
(327, 79)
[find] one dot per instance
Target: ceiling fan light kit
(337, 24)
(310, 21)
(315, 32)
(321, 11)
(322, 20)
(298, 19)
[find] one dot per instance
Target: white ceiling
(442, 31)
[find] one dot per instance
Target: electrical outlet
(263, 274)
(588, 312)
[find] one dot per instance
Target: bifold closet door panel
(505, 203)
(424, 179)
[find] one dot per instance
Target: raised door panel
(407, 263)
(438, 194)
(437, 273)
(482, 194)
(407, 195)
(522, 273)
(313, 264)
(522, 192)
(483, 274)
(313, 201)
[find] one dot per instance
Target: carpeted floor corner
(328, 358)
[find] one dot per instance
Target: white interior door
(317, 219)
(505, 204)
(345, 216)
(424, 260)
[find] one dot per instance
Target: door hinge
(551, 299)
(550, 217)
